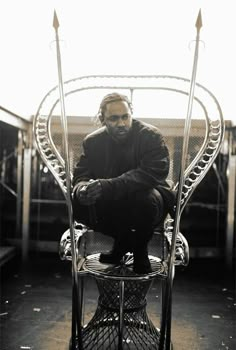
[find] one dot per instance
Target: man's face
(118, 119)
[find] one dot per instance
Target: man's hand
(88, 194)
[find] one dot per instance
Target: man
(121, 176)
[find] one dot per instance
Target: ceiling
(114, 37)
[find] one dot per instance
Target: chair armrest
(65, 242)
(181, 248)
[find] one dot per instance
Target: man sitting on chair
(121, 176)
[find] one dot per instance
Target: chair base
(120, 321)
(105, 337)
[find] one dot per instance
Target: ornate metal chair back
(153, 98)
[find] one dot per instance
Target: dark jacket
(139, 163)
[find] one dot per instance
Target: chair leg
(168, 325)
(163, 317)
(76, 328)
(121, 314)
(169, 314)
(165, 331)
(81, 300)
(73, 324)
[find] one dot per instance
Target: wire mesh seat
(120, 320)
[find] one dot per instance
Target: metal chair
(121, 320)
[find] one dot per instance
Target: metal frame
(13, 119)
(23, 174)
(229, 246)
(19, 180)
(27, 158)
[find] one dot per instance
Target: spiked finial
(55, 21)
(198, 24)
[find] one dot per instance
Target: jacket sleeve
(151, 172)
(81, 175)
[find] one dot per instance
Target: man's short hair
(113, 97)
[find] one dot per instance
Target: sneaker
(142, 265)
(110, 258)
(120, 247)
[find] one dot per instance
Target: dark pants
(130, 221)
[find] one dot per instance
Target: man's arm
(85, 189)
(81, 176)
(152, 171)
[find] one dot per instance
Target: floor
(36, 305)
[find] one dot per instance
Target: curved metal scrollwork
(48, 151)
(198, 168)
